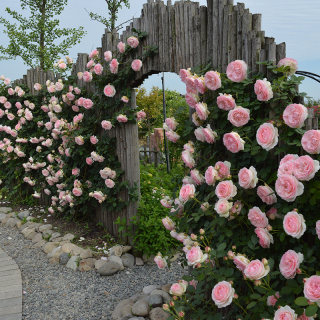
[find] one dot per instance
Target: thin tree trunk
(42, 34)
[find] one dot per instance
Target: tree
(113, 8)
(34, 38)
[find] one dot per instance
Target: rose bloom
(183, 74)
(89, 161)
(257, 218)
(290, 263)
(256, 270)
(168, 223)
(141, 115)
(248, 178)
(286, 165)
(133, 42)
(196, 176)
(79, 140)
(237, 71)
(241, 262)
(109, 183)
(136, 65)
(178, 289)
(199, 134)
(160, 261)
(223, 169)
(239, 116)
(305, 168)
(108, 56)
(295, 115)
(223, 207)
(226, 102)
(263, 90)
(94, 53)
(90, 64)
(265, 238)
(94, 140)
(211, 175)
(266, 194)
(272, 300)
(233, 142)
(106, 125)
(75, 172)
(209, 134)
(98, 69)
(171, 123)
(212, 80)
(311, 141)
(288, 187)
(77, 192)
(199, 83)
(125, 99)
(267, 136)
(109, 90)
(121, 47)
(226, 190)
(202, 110)
(172, 136)
(318, 229)
(114, 64)
(289, 62)
(87, 76)
(187, 192)
(285, 313)
(166, 202)
(87, 103)
(191, 99)
(304, 317)
(187, 158)
(195, 256)
(222, 294)
(294, 224)
(312, 289)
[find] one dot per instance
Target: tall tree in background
(35, 38)
(113, 8)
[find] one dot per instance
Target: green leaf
(311, 310)
(251, 304)
(301, 301)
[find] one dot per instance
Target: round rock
(140, 308)
(128, 260)
(155, 300)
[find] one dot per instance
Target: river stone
(49, 246)
(55, 235)
(45, 227)
(47, 233)
(85, 253)
(117, 260)
(18, 224)
(155, 300)
(5, 209)
(109, 268)
(127, 260)
(123, 309)
(4, 218)
(158, 314)
(149, 289)
(55, 253)
(29, 232)
(116, 251)
(23, 214)
(86, 264)
(64, 258)
(140, 308)
(139, 262)
(126, 249)
(11, 222)
(166, 297)
(73, 263)
(37, 237)
(68, 237)
(99, 263)
(40, 244)
(166, 287)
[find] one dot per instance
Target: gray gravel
(54, 292)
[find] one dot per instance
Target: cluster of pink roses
(170, 125)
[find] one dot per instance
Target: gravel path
(54, 292)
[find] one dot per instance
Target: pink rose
(289, 62)
(233, 142)
(286, 165)
(263, 90)
(195, 256)
(98, 69)
(94, 140)
(226, 190)
(199, 83)
(166, 202)
(187, 192)
(190, 83)
(241, 262)
(200, 134)
(168, 223)
(136, 65)
(75, 172)
(256, 270)
(109, 90)
(226, 102)
(89, 161)
(121, 47)
(133, 42)
(87, 103)
(312, 289)
(141, 115)
(318, 229)
(239, 116)
(237, 71)
(196, 177)
(223, 169)
(266, 194)
(305, 168)
(94, 53)
(209, 134)
(294, 224)
(171, 123)
(122, 118)
(184, 74)
(90, 64)
(106, 125)
(211, 175)
(285, 313)
(223, 207)
(114, 64)
(222, 294)
(295, 115)
(87, 77)
(79, 140)
(160, 261)
(248, 178)
(125, 99)
(187, 158)
(311, 141)
(265, 238)
(267, 136)
(288, 187)
(191, 99)
(272, 300)
(202, 110)
(172, 136)
(178, 289)
(109, 183)
(108, 56)
(212, 80)
(290, 263)
(257, 218)
(77, 192)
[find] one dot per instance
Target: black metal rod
(309, 75)
(166, 149)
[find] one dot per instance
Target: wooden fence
(186, 35)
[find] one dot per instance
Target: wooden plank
(203, 35)
(172, 39)
(256, 48)
(240, 12)
(178, 39)
(222, 31)
(215, 35)
(209, 30)
(196, 45)
(280, 51)
(256, 22)
(187, 26)
(227, 31)
(246, 27)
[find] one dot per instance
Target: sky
(295, 22)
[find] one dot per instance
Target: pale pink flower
(125, 99)
(222, 294)
(108, 56)
(295, 115)
(141, 115)
(312, 289)
(187, 158)
(289, 62)
(226, 102)
(223, 207)
(267, 136)
(114, 64)
(87, 76)
(106, 125)
(79, 140)
(265, 238)
(288, 187)
(294, 224)
(6, 81)
(178, 289)
(263, 90)
(287, 164)
(248, 178)
(94, 54)
(166, 202)
(121, 47)
(266, 194)
(202, 110)
(257, 218)
(77, 192)
(160, 261)
(171, 123)
(311, 141)
(200, 86)
(237, 70)
(98, 69)
(3, 99)
(305, 168)
(136, 65)
(80, 75)
(256, 270)
(272, 300)
(191, 99)
(87, 103)
(184, 74)
(133, 42)
(122, 118)
(209, 134)
(8, 105)
(196, 176)
(187, 192)
(239, 116)
(90, 64)
(109, 183)
(168, 223)
(285, 313)
(200, 134)
(290, 263)
(211, 176)
(233, 142)
(212, 80)
(94, 139)
(75, 171)
(11, 92)
(318, 229)
(223, 169)
(195, 256)
(241, 262)
(226, 190)
(172, 136)
(109, 90)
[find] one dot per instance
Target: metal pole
(166, 149)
